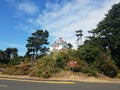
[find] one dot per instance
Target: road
(9, 84)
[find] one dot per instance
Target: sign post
(72, 64)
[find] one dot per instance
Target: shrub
(109, 69)
(61, 59)
(22, 69)
(118, 75)
(11, 70)
(61, 62)
(89, 53)
(84, 67)
(46, 67)
(90, 71)
(14, 62)
(72, 53)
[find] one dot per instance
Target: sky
(20, 18)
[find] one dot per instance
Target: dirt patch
(66, 75)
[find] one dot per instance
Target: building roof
(59, 42)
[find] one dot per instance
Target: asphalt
(20, 84)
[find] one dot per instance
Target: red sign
(72, 63)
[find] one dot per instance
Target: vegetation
(36, 43)
(100, 53)
(8, 56)
(107, 34)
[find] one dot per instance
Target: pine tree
(36, 43)
(107, 33)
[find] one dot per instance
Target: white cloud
(13, 45)
(63, 20)
(24, 6)
(27, 7)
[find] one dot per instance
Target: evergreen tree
(8, 55)
(11, 53)
(107, 34)
(3, 57)
(36, 43)
(69, 45)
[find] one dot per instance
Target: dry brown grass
(66, 75)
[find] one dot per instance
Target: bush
(84, 67)
(61, 59)
(72, 53)
(89, 53)
(109, 69)
(46, 67)
(14, 62)
(90, 71)
(118, 75)
(22, 69)
(11, 70)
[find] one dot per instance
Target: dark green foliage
(3, 57)
(11, 53)
(62, 59)
(109, 69)
(69, 45)
(98, 61)
(8, 55)
(15, 61)
(89, 53)
(90, 72)
(107, 34)
(36, 43)
(72, 53)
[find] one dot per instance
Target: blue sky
(19, 18)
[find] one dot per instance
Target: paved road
(44, 85)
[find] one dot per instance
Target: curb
(36, 80)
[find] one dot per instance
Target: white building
(60, 44)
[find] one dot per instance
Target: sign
(72, 63)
